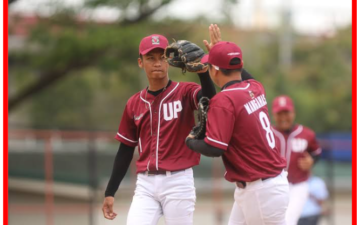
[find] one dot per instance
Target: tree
(72, 45)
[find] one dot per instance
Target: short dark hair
(227, 72)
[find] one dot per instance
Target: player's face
(284, 120)
(154, 64)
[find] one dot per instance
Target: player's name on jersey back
(255, 104)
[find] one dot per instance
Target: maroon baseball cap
(222, 53)
(151, 42)
(282, 103)
(205, 59)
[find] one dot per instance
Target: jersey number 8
(267, 127)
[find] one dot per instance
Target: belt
(242, 184)
(161, 172)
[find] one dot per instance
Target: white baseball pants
(261, 202)
(299, 194)
(171, 195)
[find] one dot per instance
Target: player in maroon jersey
(157, 120)
(298, 145)
(239, 130)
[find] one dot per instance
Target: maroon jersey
(292, 146)
(158, 125)
(238, 122)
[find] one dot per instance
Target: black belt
(160, 172)
(242, 184)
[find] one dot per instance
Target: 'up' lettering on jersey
(158, 125)
(292, 146)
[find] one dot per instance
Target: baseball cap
(151, 42)
(282, 103)
(205, 59)
(221, 55)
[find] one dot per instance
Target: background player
(298, 145)
(157, 120)
(238, 129)
(314, 207)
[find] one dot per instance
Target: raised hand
(215, 36)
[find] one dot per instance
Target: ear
(140, 63)
(212, 72)
(216, 72)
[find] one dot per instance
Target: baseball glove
(185, 55)
(199, 130)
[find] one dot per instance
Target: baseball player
(314, 207)
(239, 130)
(157, 120)
(298, 145)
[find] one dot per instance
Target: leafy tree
(96, 63)
(66, 44)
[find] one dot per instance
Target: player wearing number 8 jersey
(238, 129)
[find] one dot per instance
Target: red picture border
(5, 115)
(5, 111)
(354, 111)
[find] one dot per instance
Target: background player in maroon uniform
(238, 129)
(298, 145)
(157, 120)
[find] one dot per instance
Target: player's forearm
(207, 86)
(121, 164)
(245, 75)
(315, 158)
(201, 147)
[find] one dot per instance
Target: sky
(308, 16)
(315, 17)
